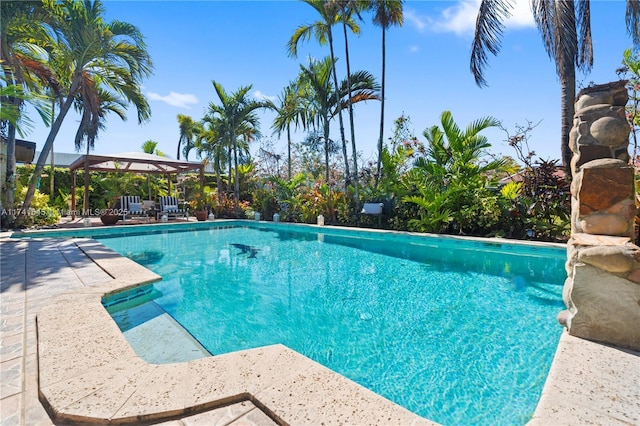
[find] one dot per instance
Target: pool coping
(96, 377)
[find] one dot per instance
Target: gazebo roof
(136, 162)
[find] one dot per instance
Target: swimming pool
(460, 332)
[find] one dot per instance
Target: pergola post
(85, 203)
(73, 195)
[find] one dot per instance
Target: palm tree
(320, 95)
(385, 14)
(289, 111)
(210, 143)
(238, 113)
(188, 129)
(347, 8)
(23, 36)
(565, 27)
(111, 56)
(149, 147)
(321, 30)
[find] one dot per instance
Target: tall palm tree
(289, 111)
(24, 36)
(316, 79)
(565, 27)
(111, 56)
(385, 14)
(238, 113)
(323, 33)
(320, 96)
(347, 8)
(188, 129)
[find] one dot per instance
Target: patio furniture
(374, 209)
(169, 206)
(130, 207)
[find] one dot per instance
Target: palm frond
(489, 29)
(632, 19)
(585, 42)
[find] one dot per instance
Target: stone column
(602, 290)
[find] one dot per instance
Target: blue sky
(241, 43)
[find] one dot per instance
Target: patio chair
(373, 209)
(130, 207)
(169, 206)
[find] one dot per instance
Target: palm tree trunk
(382, 87)
(567, 99)
(55, 128)
(230, 157)
(10, 179)
(351, 125)
(325, 126)
(52, 162)
(218, 181)
(236, 180)
(335, 82)
(289, 151)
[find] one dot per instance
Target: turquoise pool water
(458, 332)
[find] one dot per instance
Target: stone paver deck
(76, 362)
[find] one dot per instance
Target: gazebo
(135, 162)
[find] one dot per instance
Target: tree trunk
(325, 126)
(10, 180)
(567, 100)
(218, 180)
(381, 136)
(353, 130)
(236, 183)
(230, 157)
(335, 82)
(289, 151)
(55, 128)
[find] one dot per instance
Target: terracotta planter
(109, 219)
(201, 215)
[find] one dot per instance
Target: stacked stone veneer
(602, 291)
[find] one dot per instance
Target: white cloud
(521, 15)
(410, 15)
(181, 100)
(414, 49)
(461, 17)
(258, 94)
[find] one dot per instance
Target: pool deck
(63, 359)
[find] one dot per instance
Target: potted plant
(199, 210)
